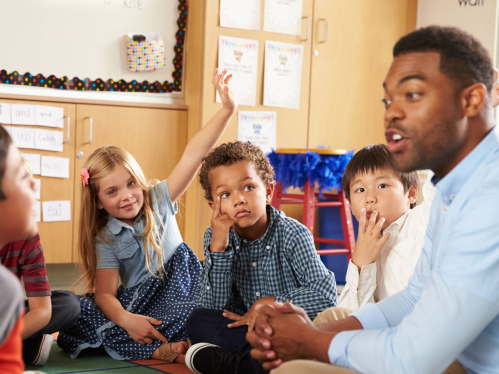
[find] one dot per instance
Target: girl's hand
(221, 83)
(370, 240)
(141, 329)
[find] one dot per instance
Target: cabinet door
(155, 137)
(351, 54)
(56, 237)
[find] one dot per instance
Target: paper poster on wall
(48, 140)
(34, 162)
(38, 187)
(23, 137)
(282, 82)
(22, 114)
(258, 128)
(5, 113)
(57, 167)
(49, 116)
(55, 211)
(37, 211)
(240, 14)
(283, 16)
(240, 58)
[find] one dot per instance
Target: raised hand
(221, 225)
(370, 241)
(221, 83)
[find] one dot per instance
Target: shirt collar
(115, 225)
(273, 213)
(396, 225)
(450, 185)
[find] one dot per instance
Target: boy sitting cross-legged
(255, 255)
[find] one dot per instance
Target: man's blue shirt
(450, 309)
(283, 263)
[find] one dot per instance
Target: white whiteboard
(84, 38)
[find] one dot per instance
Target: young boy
(46, 312)
(255, 255)
(383, 200)
(17, 196)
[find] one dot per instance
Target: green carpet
(59, 362)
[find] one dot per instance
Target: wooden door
(155, 137)
(351, 54)
(56, 237)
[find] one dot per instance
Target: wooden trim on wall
(48, 99)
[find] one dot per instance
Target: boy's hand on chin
(370, 241)
(250, 317)
(221, 225)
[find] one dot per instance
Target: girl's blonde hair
(101, 163)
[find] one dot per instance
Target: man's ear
(270, 192)
(473, 98)
(412, 194)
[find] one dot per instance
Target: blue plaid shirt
(283, 264)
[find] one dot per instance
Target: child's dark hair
(373, 158)
(228, 154)
(5, 142)
(462, 57)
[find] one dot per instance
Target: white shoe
(191, 352)
(44, 350)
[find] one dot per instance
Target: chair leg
(277, 197)
(347, 224)
(309, 206)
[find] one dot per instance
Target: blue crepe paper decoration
(293, 169)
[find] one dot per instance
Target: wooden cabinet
(155, 137)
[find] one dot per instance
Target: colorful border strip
(62, 83)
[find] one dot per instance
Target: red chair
(310, 202)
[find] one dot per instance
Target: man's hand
(221, 225)
(250, 316)
(141, 329)
(290, 337)
(370, 241)
(221, 83)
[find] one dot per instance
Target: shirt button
(365, 274)
(254, 264)
(446, 209)
(237, 247)
(207, 287)
(361, 295)
(128, 252)
(268, 247)
(257, 294)
(453, 196)
(244, 241)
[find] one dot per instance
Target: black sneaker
(37, 351)
(206, 358)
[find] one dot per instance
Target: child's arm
(139, 327)
(185, 171)
(40, 312)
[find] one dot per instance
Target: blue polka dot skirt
(170, 301)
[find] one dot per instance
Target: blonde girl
(128, 232)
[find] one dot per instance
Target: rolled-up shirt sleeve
(106, 256)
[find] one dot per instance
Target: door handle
(325, 30)
(68, 129)
(91, 121)
(308, 27)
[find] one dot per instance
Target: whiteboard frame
(156, 99)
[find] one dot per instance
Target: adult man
(438, 116)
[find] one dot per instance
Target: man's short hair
(228, 154)
(5, 142)
(373, 158)
(463, 58)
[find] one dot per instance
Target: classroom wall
(292, 125)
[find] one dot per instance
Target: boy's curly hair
(228, 154)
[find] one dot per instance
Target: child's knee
(199, 320)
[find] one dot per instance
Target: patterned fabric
(146, 55)
(283, 264)
(169, 301)
(25, 259)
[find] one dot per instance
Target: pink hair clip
(84, 176)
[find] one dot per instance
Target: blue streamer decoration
(293, 169)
